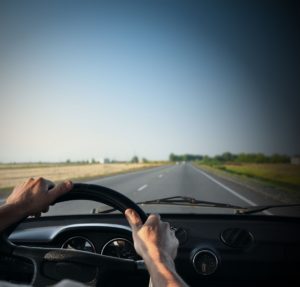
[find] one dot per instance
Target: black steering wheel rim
(102, 194)
(98, 193)
(80, 191)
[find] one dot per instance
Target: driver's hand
(35, 195)
(154, 239)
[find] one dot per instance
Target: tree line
(185, 157)
(230, 157)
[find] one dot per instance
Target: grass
(14, 174)
(278, 181)
(282, 175)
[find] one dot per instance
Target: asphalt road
(178, 180)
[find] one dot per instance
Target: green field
(286, 175)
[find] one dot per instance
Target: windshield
(154, 99)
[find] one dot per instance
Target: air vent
(237, 238)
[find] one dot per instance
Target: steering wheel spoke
(52, 264)
(36, 255)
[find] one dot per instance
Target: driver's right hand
(154, 239)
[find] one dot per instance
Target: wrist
(162, 271)
(18, 209)
(158, 258)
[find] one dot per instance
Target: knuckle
(167, 225)
(154, 217)
(147, 229)
(40, 180)
(29, 180)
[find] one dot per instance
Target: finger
(40, 182)
(49, 184)
(166, 225)
(133, 219)
(174, 254)
(176, 247)
(44, 183)
(172, 231)
(152, 219)
(60, 189)
(46, 209)
(37, 215)
(28, 181)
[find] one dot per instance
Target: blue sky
(83, 79)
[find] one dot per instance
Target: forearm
(9, 214)
(162, 272)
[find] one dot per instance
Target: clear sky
(83, 79)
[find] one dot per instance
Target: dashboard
(105, 239)
(214, 250)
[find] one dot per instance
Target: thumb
(60, 189)
(133, 219)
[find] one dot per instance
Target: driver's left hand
(35, 195)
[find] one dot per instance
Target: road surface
(177, 180)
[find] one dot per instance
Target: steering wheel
(91, 266)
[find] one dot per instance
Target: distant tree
(185, 157)
(172, 157)
(227, 156)
(260, 158)
(68, 161)
(144, 160)
(279, 158)
(206, 158)
(93, 161)
(106, 160)
(219, 158)
(242, 157)
(135, 159)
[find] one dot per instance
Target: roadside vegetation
(13, 174)
(275, 169)
(283, 175)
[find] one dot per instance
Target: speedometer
(79, 243)
(121, 248)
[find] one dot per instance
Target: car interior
(188, 109)
(97, 249)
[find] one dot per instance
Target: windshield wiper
(190, 201)
(182, 201)
(255, 209)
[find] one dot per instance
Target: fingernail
(128, 212)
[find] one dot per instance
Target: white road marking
(231, 190)
(142, 187)
(160, 176)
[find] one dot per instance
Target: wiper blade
(255, 209)
(181, 201)
(188, 201)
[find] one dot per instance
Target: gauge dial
(79, 243)
(205, 262)
(121, 248)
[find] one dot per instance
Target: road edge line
(230, 190)
(226, 187)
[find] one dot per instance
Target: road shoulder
(258, 186)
